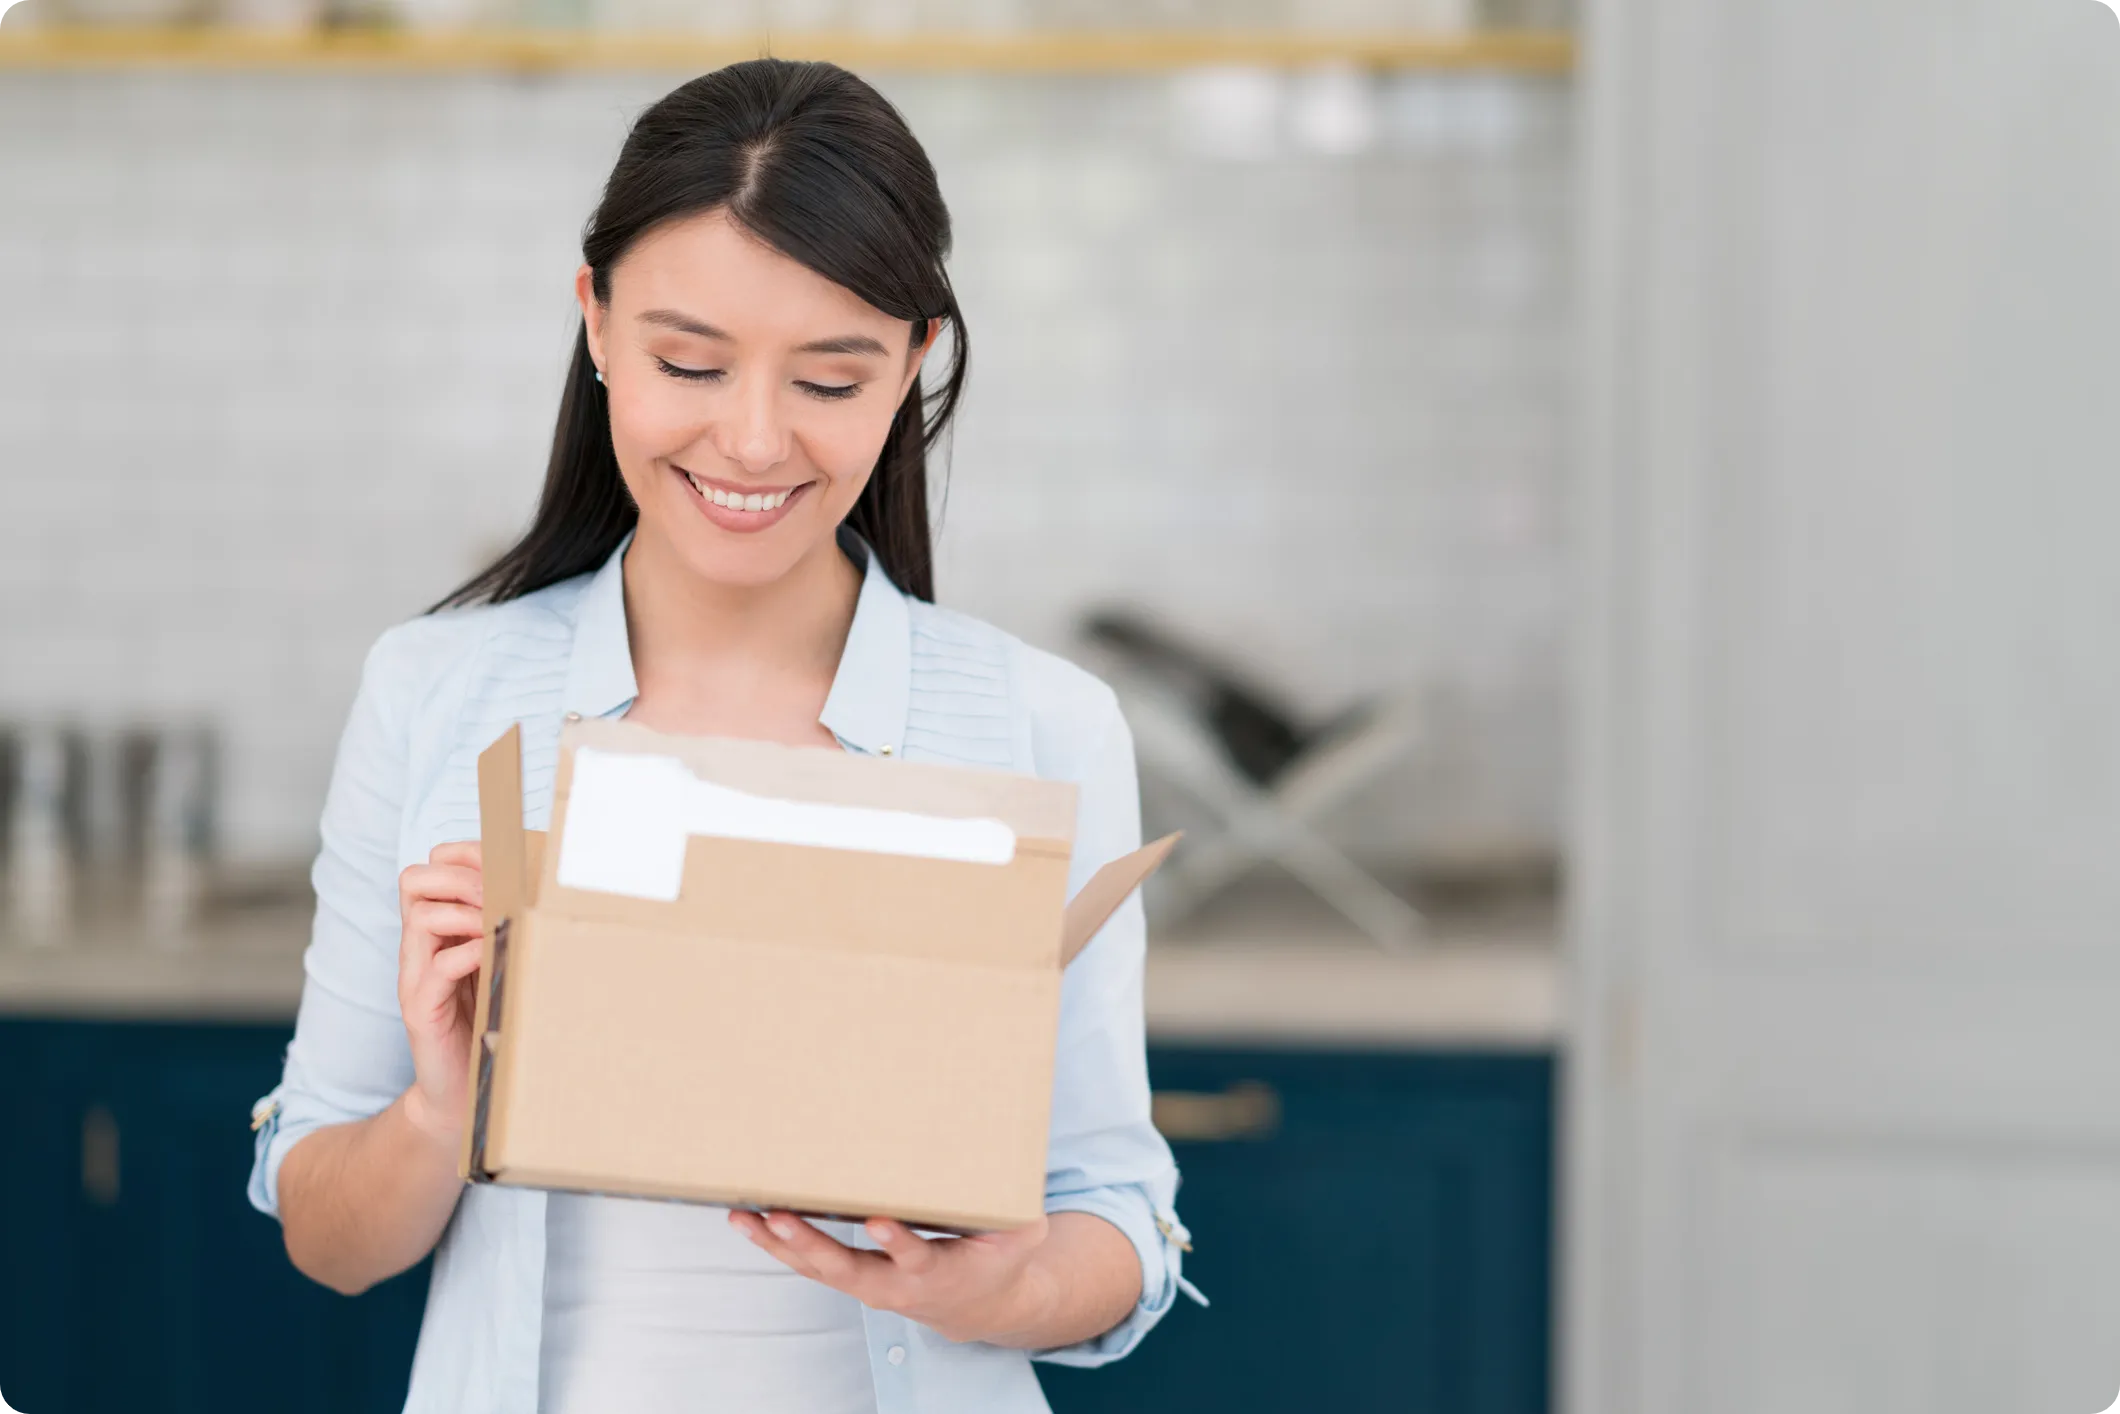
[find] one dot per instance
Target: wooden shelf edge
(518, 50)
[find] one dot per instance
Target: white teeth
(762, 501)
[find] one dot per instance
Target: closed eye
(690, 375)
(828, 392)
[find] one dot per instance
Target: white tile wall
(281, 354)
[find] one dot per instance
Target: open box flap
(1109, 887)
(504, 866)
(502, 856)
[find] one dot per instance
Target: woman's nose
(751, 432)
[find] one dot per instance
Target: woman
(733, 539)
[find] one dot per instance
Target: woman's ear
(920, 353)
(592, 313)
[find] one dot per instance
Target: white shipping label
(628, 817)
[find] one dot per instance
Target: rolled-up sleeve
(349, 1057)
(1104, 1155)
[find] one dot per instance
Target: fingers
(803, 1247)
(911, 1253)
(453, 883)
(438, 903)
(753, 1226)
(439, 947)
(833, 1263)
(464, 853)
(437, 919)
(453, 964)
(438, 986)
(953, 1285)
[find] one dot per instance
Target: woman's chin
(738, 561)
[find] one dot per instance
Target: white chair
(1263, 784)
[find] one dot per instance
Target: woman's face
(749, 395)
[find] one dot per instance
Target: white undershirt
(658, 1307)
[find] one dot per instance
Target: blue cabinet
(1373, 1229)
(134, 1274)
(1374, 1237)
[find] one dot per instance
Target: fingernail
(782, 1228)
(880, 1230)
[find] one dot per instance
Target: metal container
(180, 790)
(105, 828)
(45, 828)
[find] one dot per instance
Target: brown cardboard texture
(839, 1029)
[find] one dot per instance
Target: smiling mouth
(742, 512)
(755, 502)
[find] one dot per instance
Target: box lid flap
(1109, 887)
(500, 821)
(1035, 809)
(663, 868)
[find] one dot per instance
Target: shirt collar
(871, 692)
(600, 677)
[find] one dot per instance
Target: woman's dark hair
(822, 168)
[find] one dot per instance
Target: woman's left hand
(965, 1288)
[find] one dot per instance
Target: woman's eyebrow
(686, 324)
(844, 344)
(682, 323)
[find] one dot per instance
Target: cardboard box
(738, 1013)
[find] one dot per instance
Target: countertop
(1274, 973)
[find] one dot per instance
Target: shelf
(553, 51)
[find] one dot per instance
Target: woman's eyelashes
(826, 392)
(690, 375)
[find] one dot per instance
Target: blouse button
(886, 748)
(574, 716)
(896, 1355)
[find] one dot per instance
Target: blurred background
(1594, 515)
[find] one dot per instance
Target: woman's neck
(736, 660)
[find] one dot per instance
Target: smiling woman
(761, 283)
(763, 415)
(732, 540)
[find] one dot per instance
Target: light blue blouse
(915, 681)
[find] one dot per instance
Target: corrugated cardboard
(832, 1031)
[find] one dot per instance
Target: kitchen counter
(243, 965)
(1450, 993)
(1482, 982)
(1268, 963)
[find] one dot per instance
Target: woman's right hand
(438, 959)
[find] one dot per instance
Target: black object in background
(1258, 730)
